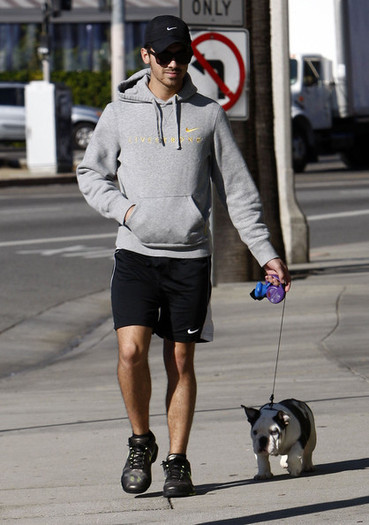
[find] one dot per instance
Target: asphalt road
(54, 248)
(335, 202)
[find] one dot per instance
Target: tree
(256, 140)
(260, 123)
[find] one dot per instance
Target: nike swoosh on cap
(170, 28)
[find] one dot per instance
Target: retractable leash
(271, 399)
(275, 294)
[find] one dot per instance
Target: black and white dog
(287, 429)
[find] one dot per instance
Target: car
(13, 117)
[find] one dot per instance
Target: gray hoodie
(165, 155)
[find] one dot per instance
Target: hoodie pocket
(165, 222)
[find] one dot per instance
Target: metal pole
(118, 70)
(44, 48)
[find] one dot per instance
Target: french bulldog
(286, 429)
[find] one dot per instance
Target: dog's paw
(294, 465)
(263, 475)
(295, 472)
(284, 462)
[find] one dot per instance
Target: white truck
(329, 73)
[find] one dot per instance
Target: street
(335, 202)
(55, 248)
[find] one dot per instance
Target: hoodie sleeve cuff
(263, 252)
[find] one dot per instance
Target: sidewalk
(14, 171)
(64, 430)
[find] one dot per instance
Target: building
(79, 38)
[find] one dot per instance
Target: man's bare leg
(135, 384)
(181, 393)
(181, 399)
(134, 374)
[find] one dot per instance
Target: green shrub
(20, 76)
(88, 88)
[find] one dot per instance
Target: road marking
(338, 215)
(86, 252)
(311, 185)
(35, 196)
(56, 251)
(28, 242)
(29, 209)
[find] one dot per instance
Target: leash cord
(271, 399)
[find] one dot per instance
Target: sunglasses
(183, 56)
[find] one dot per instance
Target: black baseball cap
(164, 30)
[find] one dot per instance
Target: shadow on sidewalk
(321, 470)
(316, 508)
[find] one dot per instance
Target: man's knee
(133, 346)
(130, 355)
(181, 357)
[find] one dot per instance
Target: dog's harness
(271, 399)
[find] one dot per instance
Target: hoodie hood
(136, 90)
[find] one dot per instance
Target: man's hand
(278, 267)
(128, 213)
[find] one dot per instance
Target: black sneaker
(178, 481)
(136, 477)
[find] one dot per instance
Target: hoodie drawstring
(159, 120)
(176, 120)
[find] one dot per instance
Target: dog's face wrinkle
(266, 439)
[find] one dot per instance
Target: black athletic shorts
(169, 295)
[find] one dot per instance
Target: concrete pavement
(63, 429)
(14, 170)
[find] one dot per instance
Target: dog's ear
(283, 418)
(252, 414)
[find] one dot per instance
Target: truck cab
(328, 42)
(311, 105)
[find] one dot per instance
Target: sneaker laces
(175, 468)
(136, 456)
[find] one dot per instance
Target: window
(293, 71)
(12, 96)
(18, 46)
(311, 72)
(74, 46)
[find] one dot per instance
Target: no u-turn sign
(220, 68)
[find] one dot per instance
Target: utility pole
(49, 8)
(44, 47)
(294, 225)
(118, 69)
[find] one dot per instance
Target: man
(166, 143)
